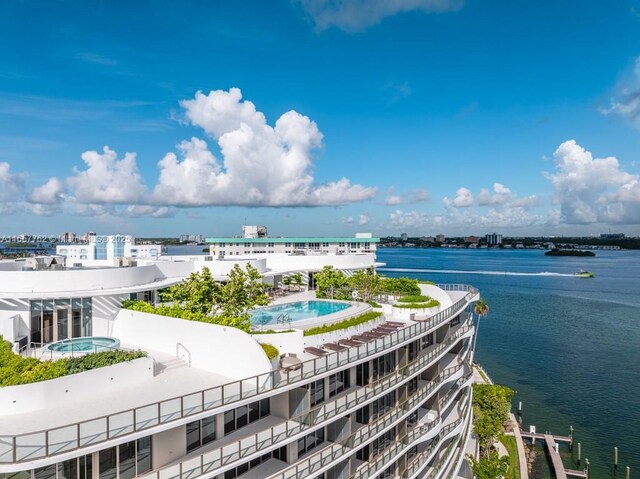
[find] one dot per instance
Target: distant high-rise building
(254, 231)
(68, 237)
(404, 236)
(440, 238)
(493, 239)
(472, 239)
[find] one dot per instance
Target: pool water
(83, 345)
(297, 311)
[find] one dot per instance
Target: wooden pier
(551, 443)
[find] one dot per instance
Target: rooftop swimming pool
(297, 311)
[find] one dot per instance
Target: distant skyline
(316, 117)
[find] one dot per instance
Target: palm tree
(481, 309)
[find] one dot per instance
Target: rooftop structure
(256, 241)
(390, 397)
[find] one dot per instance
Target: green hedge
(430, 304)
(15, 369)
(373, 304)
(272, 331)
(416, 298)
(347, 323)
(270, 350)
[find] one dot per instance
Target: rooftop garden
(416, 302)
(201, 298)
(334, 284)
(15, 369)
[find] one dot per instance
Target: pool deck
(356, 309)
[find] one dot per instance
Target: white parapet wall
(222, 350)
(26, 398)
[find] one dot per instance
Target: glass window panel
(76, 324)
(68, 469)
(36, 322)
(127, 459)
(242, 416)
(143, 455)
(208, 430)
(193, 435)
(229, 421)
(254, 411)
(86, 467)
(47, 326)
(48, 472)
(86, 316)
(62, 319)
(63, 302)
(107, 463)
(265, 408)
(47, 305)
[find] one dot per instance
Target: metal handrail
(180, 345)
(308, 421)
(153, 414)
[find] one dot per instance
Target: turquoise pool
(89, 344)
(297, 311)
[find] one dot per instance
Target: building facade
(251, 245)
(398, 405)
(108, 248)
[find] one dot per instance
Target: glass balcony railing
(47, 443)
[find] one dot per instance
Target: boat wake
(459, 271)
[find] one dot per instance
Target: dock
(551, 443)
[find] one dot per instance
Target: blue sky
(451, 116)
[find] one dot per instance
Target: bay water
(568, 346)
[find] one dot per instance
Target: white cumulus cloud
(263, 165)
(500, 195)
(593, 190)
(363, 219)
(107, 179)
(463, 199)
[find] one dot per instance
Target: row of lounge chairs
(378, 332)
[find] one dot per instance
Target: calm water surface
(570, 347)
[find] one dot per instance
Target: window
(316, 392)
(341, 245)
(363, 415)
(455, 321)
(338, 382)
(383, 365)
(314, 245)
(280, 454)
(126, 460)
(362, 374)
(305, 444)
(413, 349)
(200, 433)
(427, 340)
(287, 245)
(382, 405)
(382, 442)
(270, 245)
(325, 245)
(240, 417)
(222, 245)
(299, 245)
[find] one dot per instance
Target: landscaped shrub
(347, 323)
(15, 369)
(373, 304)
(270, 350)
(429, 304)
(400, 286)
(414, 299)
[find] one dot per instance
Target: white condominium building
(389, 398)
(255, 241)
(108, 248)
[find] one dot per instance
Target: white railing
(50, 442)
